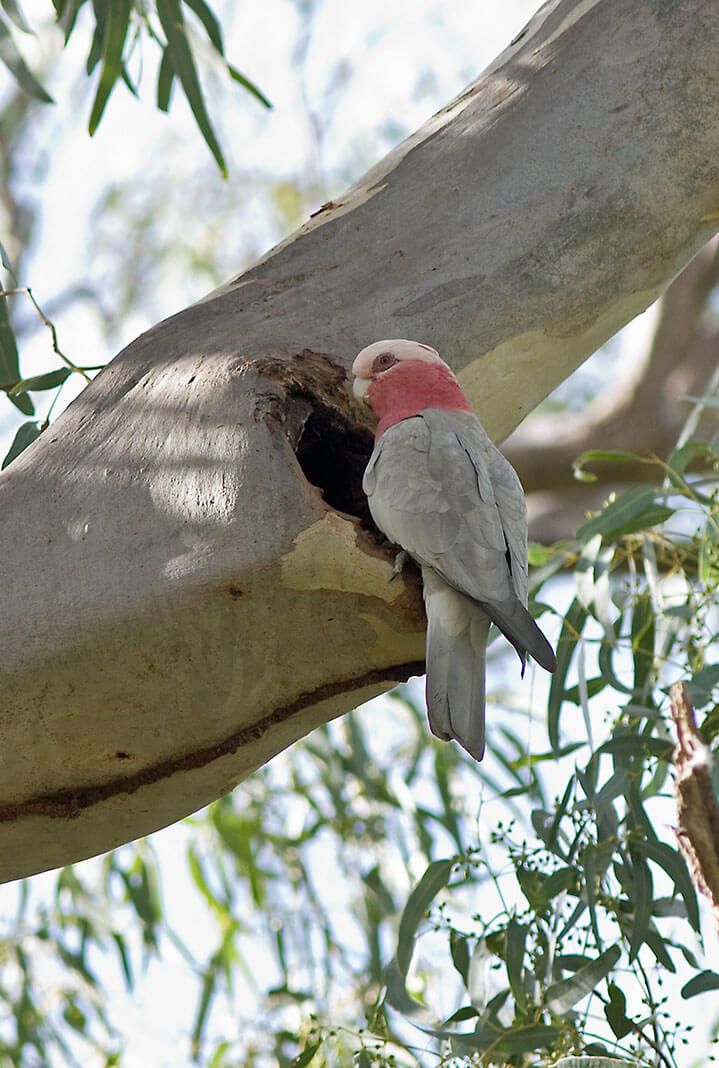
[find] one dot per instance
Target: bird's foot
(400, 562)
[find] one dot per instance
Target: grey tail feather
(455, 681)
(520, 629)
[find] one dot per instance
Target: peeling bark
(697, 806)
(190, 582)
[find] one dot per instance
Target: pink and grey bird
(438, 487)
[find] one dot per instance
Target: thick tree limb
(188, 586)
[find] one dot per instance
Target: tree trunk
(191, 581)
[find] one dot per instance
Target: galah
(438, 488)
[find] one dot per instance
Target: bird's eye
(383, 361)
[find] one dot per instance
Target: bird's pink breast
(411, 386)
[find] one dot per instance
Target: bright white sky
(393, 65)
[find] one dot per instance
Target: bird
(438, 488)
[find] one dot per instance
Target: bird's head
(401, 378)
(381, 356)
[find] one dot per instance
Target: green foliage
(119, 29)
(18, 389)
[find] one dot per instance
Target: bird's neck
(411, 386)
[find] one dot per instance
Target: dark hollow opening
(333, 457)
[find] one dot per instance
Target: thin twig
(51, 327)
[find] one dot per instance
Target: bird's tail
(456, 644)
(519, 628)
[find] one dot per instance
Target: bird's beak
(360, 387)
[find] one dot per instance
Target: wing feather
(438, 487)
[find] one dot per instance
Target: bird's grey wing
(431, 491)
(512, 508)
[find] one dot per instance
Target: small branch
(51, 327)
(698, 810)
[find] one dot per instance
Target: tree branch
(184, 554)
(697, 807)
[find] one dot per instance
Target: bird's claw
(400, 562)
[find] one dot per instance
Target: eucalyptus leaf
(435, 878)
(572, 627)
(601, 456)
(13, 60)
(24, 436)
(514, 959)
(183, 64)
(702, 685)
(114, 34)
(706, 980)
(673, 864)
(49, 380)
(15, 13)
(635, 509)
(563, 995)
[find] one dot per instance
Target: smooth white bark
(179, 602)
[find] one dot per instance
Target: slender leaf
(170, 16)
(593, 873)
(558, 881)
(49, 380)
(9, 360)
(702, 684)
(642, 631)
(26, 434)
(479, 982)
(209, 21)
(604, 659)
(594, 686)
(658, 945)
(572, 628)
(679, 459)
(563, 995)
(635, 509)
(514, 959)
(616, 1012)
(5, 261)
(14, 12)
(67, 11)
(709, 556)
(124, 958)
(434, 879)
(19, 69)
(304, 1058)
(165, 81)
(673, 864)
(399, 998)
(100, 9)
(518, 1040)
(642, 898)
(245, 82)
(637, 745)
(207, 991)
(601, 456)
(459, 951)
(117, 22)
(706, 980)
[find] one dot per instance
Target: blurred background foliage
(372, 896)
